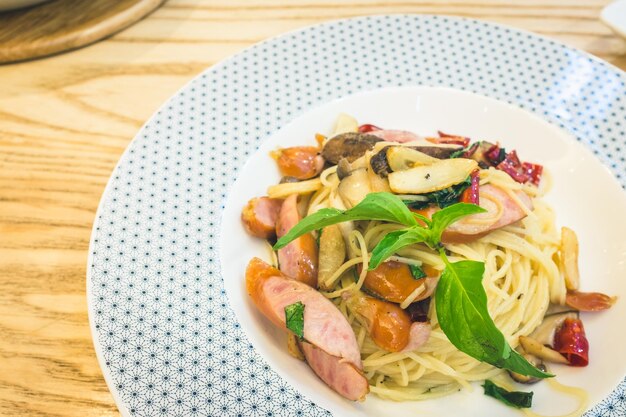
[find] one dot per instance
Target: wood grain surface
(65, 120)
(62, 25)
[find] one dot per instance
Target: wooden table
(65, 120)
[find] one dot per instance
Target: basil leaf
(294, 318)
(517, 399)
(461, 305)
(375, 206)
(445, 217)
(417, 272)
(394, 241)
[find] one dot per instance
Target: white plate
(166, 338)
(425, 110)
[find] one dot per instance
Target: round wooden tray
(62, 25)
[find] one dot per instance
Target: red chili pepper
(512, 166)
(368, 128)
(495, 154)
(533, 171)
(471, 194)
(571, 342)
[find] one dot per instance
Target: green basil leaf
(446, 216)
(294, 318)
(517, 399)
(375, 206)
(417, 272)
(461, 305)
(394, 241)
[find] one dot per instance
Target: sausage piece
(298, 259)
(259, 216)
(324, 325)
(502, 210)
(300, 162)
(331, 348)
(400, 136)
(393, 281)
(343, 377)
(388, 325)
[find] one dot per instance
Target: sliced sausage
(400, 136)
(298, 259)
(324, 325)
(388, 325)
(330, 347)
(393, 281)
(259, 216)
(301, 162)
(343, 377)
(502, 210)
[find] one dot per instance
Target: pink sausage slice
(342, 377)
(400, 136)
(324, 325)
(331, 349)
(298, 259)
(502, 210)
(495, 200)
(259, 216)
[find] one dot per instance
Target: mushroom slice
(428, 178)
(331, 256)
(401, 158)
(354, 187)
(348, 145)
(535, 348)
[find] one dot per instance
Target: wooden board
(62, 25)
(65, 121)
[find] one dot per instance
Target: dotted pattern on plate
(163, 329)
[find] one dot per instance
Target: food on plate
(411, 266)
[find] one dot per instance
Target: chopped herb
(294, 318)
(517, 399)
(417, 271)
